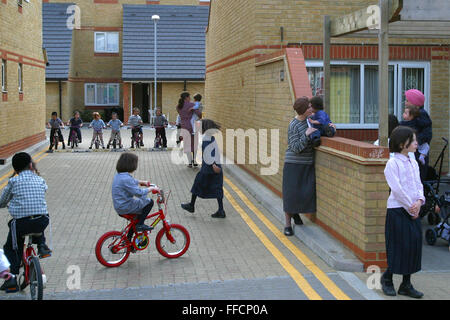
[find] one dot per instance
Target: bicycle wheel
(36, 283)
(174, 249)
(107, 252)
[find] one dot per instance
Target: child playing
(25, 197)
(403, 229)
(321, 121)
(75, 124)
(135, 121)
(160, 124)
(410, 116)
(98, 125)
(197, 106)
(115, 125)
(424, 129)
(55, 124)
(127, 197)
(208, 183)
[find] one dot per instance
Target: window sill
(106, 54)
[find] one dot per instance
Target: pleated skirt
(403, 242)
(299, 188)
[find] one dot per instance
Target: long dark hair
(183, 97)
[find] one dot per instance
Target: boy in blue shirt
(115, 125)
(25, 197)
(321, 121)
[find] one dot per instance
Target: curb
(31, 150)
(319, 241)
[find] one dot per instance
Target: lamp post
(155, 19)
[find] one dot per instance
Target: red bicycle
(33, 274)
(172, 241)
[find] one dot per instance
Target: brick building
(107, 61)
(22, 104)
(253, 75)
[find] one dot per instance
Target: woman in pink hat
(415, 97)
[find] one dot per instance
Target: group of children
(55, 125)
(402, 228)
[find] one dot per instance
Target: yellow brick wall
(351, 199)
(20, 33)
(171, 93)
(303, 21)
(52, 93)
(439, 110)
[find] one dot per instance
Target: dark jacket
(208, 184)
(423, 126)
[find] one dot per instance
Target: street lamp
(155, 19)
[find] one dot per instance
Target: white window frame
(4, 76)
(398, 66)
(20, 77)
(106, 42)
(95, 94)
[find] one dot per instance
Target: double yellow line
(37, 157)
(294, 273)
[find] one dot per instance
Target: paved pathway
(244, 256)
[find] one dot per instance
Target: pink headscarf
(416, 97)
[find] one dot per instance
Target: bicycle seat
(32, 235)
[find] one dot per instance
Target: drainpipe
(60, 100)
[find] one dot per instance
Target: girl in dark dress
(208, 183)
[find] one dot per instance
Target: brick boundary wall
(9, 149)
(352, 193)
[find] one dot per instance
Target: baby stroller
(442, 230)
(431, 188)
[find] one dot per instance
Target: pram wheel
(433, 218)
(431, 236)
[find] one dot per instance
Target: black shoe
(44, 251)
(387, 287)
(64, 146)
(143, 227)
(142, 144)
(188, 207)
(195, 164)
(408, 290)
(219, 214)
(90, 147)
(288, 231)
(10, 285)
(297, 220)
(107, 147)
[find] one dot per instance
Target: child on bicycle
(55, 124)
(25, 197)
(115, 125)
(98, 125)
(127, 197)
(135, 121)
(75, 124)
(161, 124)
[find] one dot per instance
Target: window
(106, 42)
(354, 89)
(101, 94)
(4, 86)
(20, 76)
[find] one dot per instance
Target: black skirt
(299, 188)
(403, 242)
